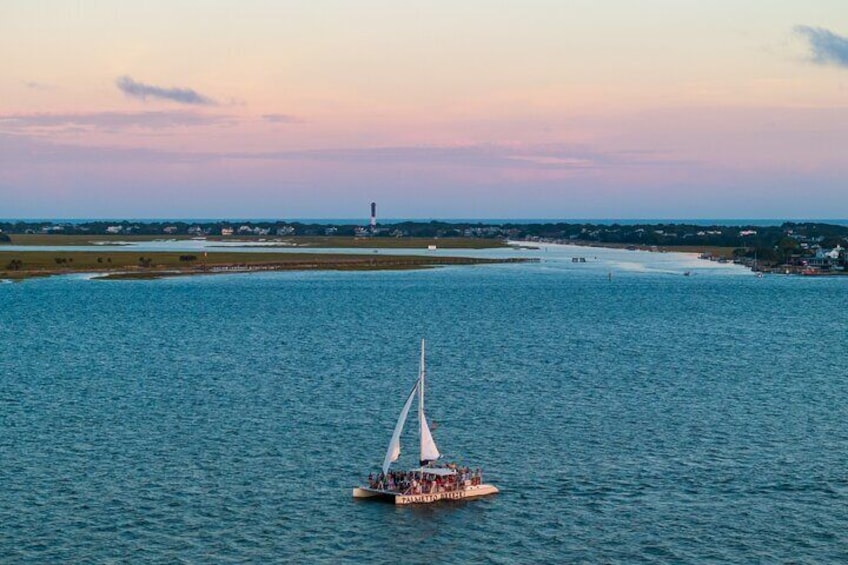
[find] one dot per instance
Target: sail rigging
(431, 482)
(429, 451)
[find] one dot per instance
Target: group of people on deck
(418, 482)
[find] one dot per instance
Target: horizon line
(417, 219)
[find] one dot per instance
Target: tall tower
(373, 215)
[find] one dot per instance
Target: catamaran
(429, 482)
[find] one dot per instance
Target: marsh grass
(125, 264)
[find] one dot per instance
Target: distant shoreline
(114, 265)
(805, 248)
(294, 241)
(728, 222)
(718, 251)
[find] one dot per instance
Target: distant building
(829, 253)
(227, 231)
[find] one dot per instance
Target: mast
(429, 451)
(421, 421)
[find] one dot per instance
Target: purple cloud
(16, 146)
(556, 156)
(281, 119)
(181, 95)
(35, 85)
(111, 120)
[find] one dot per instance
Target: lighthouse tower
(373, 215)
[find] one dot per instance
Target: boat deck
(471, 491)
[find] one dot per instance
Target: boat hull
(364, 492)
(468, 492)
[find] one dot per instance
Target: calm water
(648, 418)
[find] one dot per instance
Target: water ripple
(648, 419)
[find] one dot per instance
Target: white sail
(429, 451)
(393, 452)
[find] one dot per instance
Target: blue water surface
(628, 414)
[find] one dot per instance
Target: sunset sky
(461, 109)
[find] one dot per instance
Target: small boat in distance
(428, 483)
